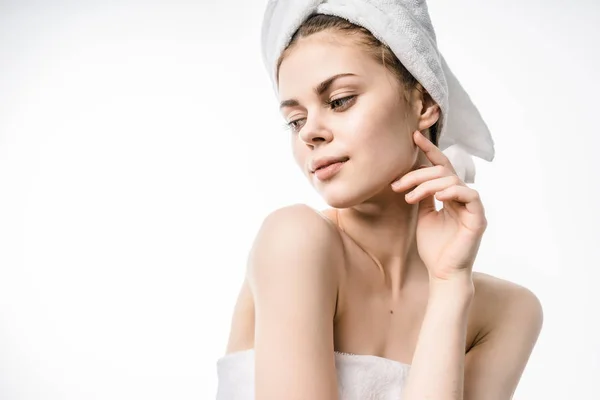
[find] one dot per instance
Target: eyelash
(343, 100)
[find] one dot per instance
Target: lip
(327, 172)
(324, 162)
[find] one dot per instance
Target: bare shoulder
(300, 219)
(498, 301)
(295, 242)
(509, 320)
(295, 249)
(293, 274)
(291, 231)
(496, 291)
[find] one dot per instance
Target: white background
(141, 147)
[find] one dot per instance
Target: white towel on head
(405, 26)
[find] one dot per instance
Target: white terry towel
(405, 26)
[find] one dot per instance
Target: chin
(346, 195)
(340, 202)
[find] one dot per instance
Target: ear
(429, 110)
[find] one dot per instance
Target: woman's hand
(448, 239)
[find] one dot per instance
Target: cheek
(388, 159)
(382, 128)
(299, 151)
(385, 146)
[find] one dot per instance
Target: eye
(295, 126)
(336, 104)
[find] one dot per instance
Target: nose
(314, 133)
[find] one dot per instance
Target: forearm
(437, 370)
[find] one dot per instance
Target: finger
(419, 176)
(426, 206)
(431, 187)
(433, 153)
(462, 194)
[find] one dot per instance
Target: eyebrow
(319, 90)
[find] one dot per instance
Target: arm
(493, 367)
(437, 368)
(451, 239)
(293, 277)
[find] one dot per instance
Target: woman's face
(359, 118)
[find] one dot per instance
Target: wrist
(456, 278)
(459, 286)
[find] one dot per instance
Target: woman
(375, 297)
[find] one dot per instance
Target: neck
(387, 230)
